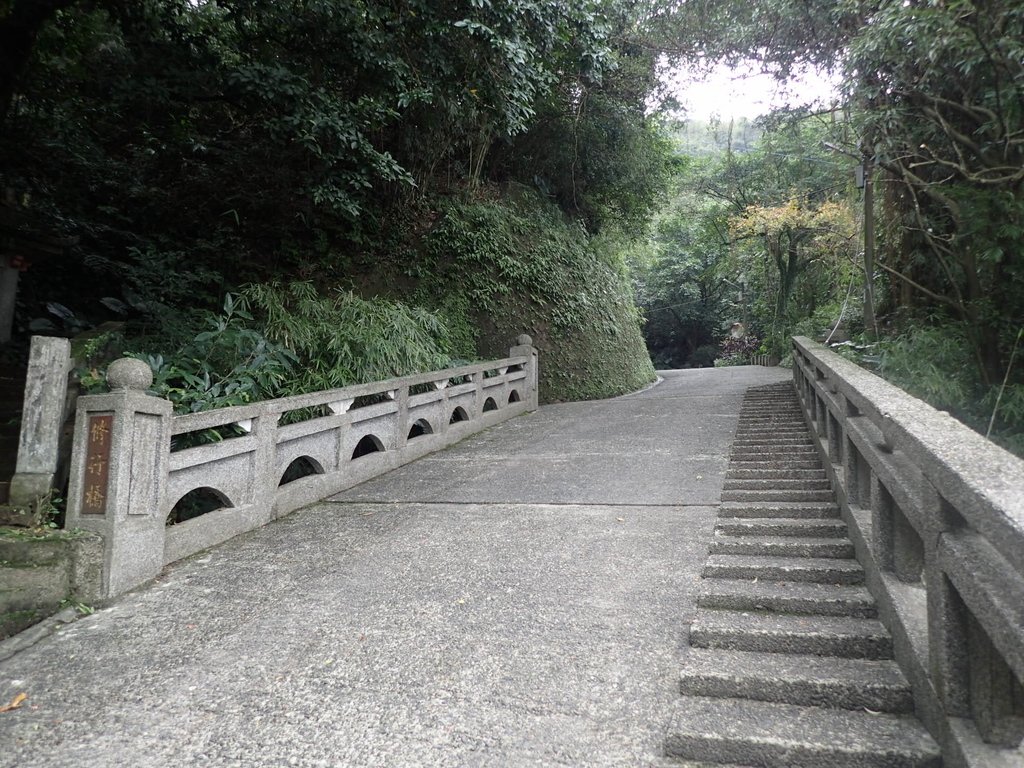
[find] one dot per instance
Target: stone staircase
(789, 665)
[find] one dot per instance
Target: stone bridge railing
(936, 513)
(126, 478)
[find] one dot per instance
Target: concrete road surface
(521, 599)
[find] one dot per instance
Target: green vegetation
(762, 233)
(333, 168)
(526, 268)
(934, 112)
(275, 196)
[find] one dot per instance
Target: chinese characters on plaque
(97, 465)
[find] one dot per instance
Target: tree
(792, 239)
(943, 92)
(20, 24)
(239, 138)
(681, 290)
(937, 93)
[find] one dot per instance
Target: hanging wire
(842, 312)
(1006, 379)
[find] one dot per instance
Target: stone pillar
(42, 418)
(119, 467)
(524, 347)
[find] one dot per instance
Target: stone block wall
(40, 572)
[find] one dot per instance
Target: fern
(342, 339)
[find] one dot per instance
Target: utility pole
(866, 181)
(870, 322)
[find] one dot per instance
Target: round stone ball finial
(524, 340)
(129, 373)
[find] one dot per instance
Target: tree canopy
(255, 131)
(183, 148)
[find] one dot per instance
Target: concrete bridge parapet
(936, 513)
(133, 461)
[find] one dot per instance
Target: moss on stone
(513, 265)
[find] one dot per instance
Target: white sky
(743, 92)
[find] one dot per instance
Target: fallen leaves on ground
(15, 702)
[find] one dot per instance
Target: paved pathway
(518, 600)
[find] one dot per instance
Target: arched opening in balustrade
(196, 503)
(490, 405)
(459, 414)
(419, 428)
(303, 466)
(369, 444)
(513, 397)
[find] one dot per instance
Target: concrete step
(794, 426)
(788, 736)
(784, 450)
(790, 424)
(777, 484)
(825, 494)
(799, 437)
(810, 681)
(751, 429)
(754, 429)
(774, 439)
(803, 569)
(823, 529)
(781, 455)
(765, 509)
(783, 597)
(772, 473)
(842, 636)
(783, 546)
(773, 436)
(764, 462)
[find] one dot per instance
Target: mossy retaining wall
(41, 571)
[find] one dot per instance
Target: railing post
(402, 417)
(119, 465)
(265, 473)
(46, 390)
(524, 346)
(947, 619)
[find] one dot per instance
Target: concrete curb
(640, 391)
(29, 637)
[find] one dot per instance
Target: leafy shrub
(519, 265)
(342, 339)
(935, 363)
(821, 324)
(737, 351)
(229, 363)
